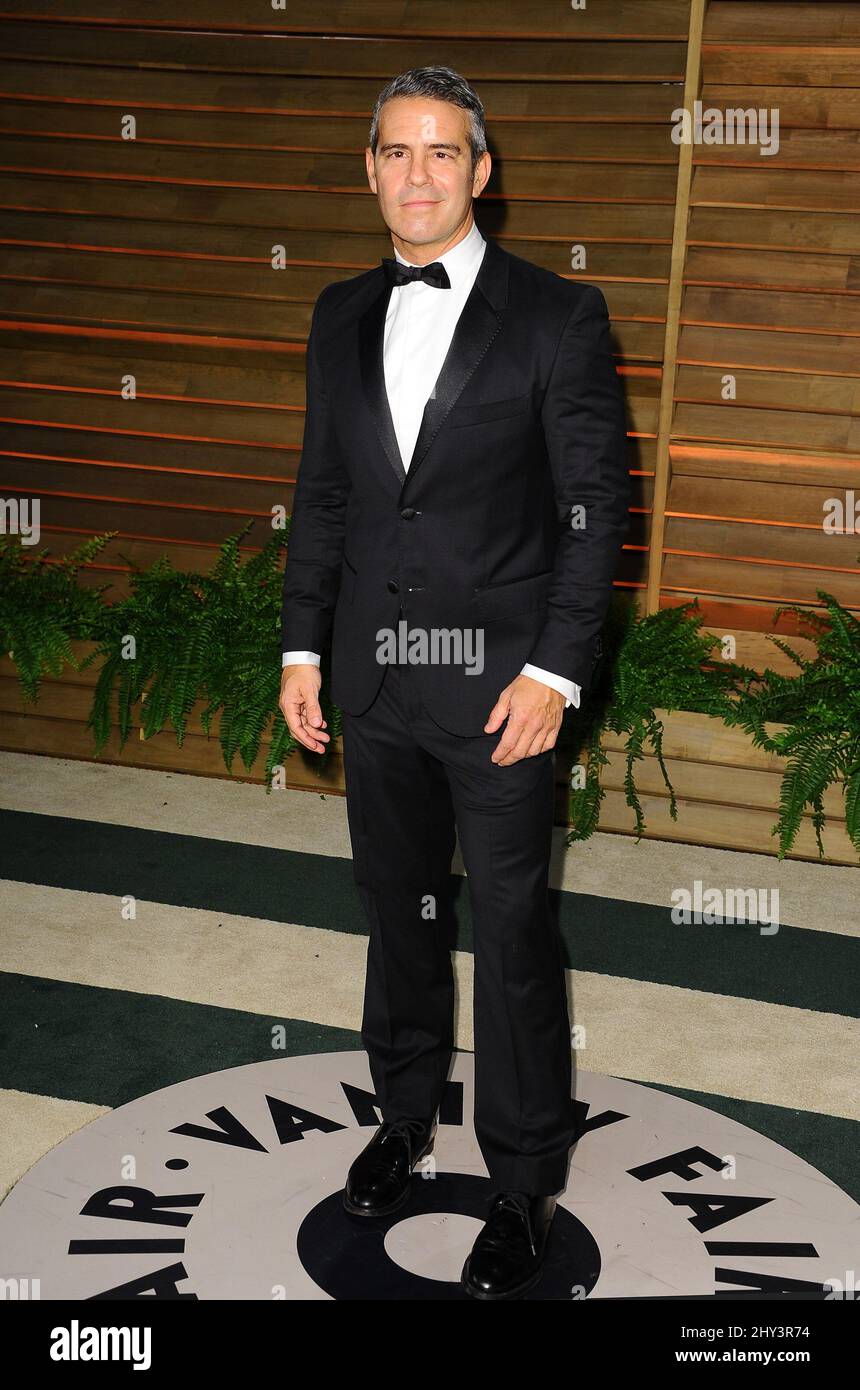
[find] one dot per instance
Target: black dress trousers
(409, 783)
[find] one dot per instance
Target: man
(459, 509)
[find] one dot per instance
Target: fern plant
(821, 708)
(659, 661)
(182, 637)
(43, 608)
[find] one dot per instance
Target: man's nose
(419, 173)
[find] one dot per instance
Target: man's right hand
(299, 702)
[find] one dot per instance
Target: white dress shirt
(419, 326)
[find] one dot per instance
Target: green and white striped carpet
(158, 926)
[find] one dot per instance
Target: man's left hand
(533, 711)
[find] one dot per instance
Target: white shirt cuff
(306, 658)
(565, 687)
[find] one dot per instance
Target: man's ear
(481, 176)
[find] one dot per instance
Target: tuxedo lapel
(476, 328)
(371, 331)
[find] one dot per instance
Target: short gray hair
(445, 85)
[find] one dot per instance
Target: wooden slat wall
(772, 297)
(727, 790)
(152, 256)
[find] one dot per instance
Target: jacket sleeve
(315, 547)
(585, 429)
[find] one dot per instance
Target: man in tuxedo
(459, 509)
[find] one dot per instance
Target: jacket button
(393, 587)
(408, 513)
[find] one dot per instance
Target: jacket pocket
(489, 410)
(505, 600)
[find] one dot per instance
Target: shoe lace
(518, 1202)
(410, 1130)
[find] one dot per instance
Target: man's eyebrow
(432, 145)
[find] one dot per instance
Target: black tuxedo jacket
(510, 518)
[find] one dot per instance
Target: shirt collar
(459, 260)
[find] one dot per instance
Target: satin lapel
(476, 328)
(371, 331)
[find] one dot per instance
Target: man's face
(422, 173)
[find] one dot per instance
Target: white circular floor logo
(229, 1186)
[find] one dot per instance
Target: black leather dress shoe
(378, 1179)
(507, 1257)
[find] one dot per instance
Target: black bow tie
(399, 274)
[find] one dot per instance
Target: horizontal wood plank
(782, 21)
(268, 94)
(547, 60)
(626, 19)
(721, 825)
